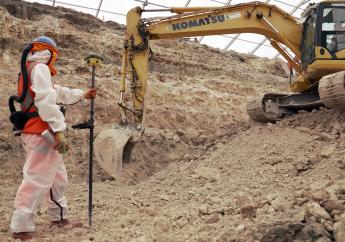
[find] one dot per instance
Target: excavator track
(273, 107)
(332, 91)
(256, 112)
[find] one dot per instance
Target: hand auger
(93, 61)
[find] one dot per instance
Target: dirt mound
(265, 183)
(203, 171)
(82, 21)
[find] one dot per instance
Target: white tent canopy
(116, 10)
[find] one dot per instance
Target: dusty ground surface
(203, 171)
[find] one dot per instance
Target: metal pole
(231, 42)
(99, 7)
(91, 147)
(92, 60)
(187, 3)
(145, 4)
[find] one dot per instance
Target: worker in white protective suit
(44, 172)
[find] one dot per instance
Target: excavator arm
(281, 29)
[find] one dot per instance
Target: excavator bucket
(113, 146)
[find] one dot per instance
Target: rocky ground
(202, 171)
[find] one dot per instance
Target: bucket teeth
(332, 91)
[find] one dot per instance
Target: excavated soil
(202, 171)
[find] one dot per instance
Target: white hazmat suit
(44, 172)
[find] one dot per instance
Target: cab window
(308, 43)
(333, 29)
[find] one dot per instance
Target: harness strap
(28, 100)
(33, 114)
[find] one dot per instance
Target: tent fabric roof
(116, 10)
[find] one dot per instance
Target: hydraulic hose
(144, 43)
(24, 72)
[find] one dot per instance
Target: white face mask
(40, 56)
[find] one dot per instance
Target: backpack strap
(28, 102)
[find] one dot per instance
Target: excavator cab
(323, 39)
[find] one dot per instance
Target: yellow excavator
(317, 41)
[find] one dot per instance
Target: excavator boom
(257, 17)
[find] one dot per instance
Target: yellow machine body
(307, 39)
